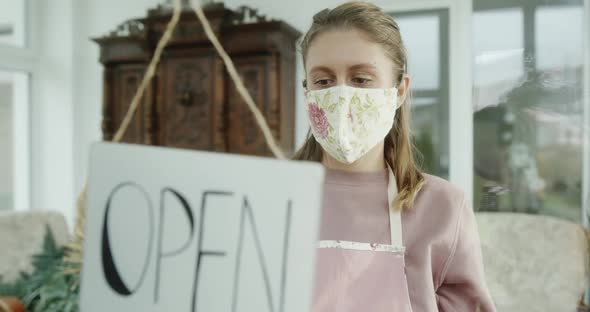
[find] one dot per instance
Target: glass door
(528, 107)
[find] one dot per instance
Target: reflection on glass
(552, 32)
(12, 22)
(425, 35)
(498, 47)
(528, 108)
(425, 126)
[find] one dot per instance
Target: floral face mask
(347, 121)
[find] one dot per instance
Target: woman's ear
(403, 90)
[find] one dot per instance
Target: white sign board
(184, 231)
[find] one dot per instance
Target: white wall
(52, 108)
(13, 14)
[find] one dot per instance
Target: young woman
(392, 238)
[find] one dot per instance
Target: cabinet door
(190, 101)
(125, 80)
(260, 76)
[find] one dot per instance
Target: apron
(362, 276)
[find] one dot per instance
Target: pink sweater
(443, 254)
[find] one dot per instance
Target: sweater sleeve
(463, 287)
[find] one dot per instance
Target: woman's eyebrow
(320, 69)
(362, 66)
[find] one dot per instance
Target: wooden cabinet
(191, 100)
(259, 74)
(192, 103)
(124, 80)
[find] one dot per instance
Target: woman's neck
(373, 161)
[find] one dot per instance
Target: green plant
(53, 284)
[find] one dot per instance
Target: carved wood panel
(126, 80)
(259, 75)
(187, 102)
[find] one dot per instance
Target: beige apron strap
(395, 218)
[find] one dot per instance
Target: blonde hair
(382, 29)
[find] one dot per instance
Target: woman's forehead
(345, 49)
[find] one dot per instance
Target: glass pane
(426, 124)
(420, 34)
(528, 108)
(13, 95)
(498, 48)
(552, 32)
(425, 34)
(12, 22)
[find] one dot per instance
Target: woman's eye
(361, 81)
(322, 82)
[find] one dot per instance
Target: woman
(392, 238)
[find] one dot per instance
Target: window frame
(461, 80)
(23, 59)
(441, 94)
(461, 91)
